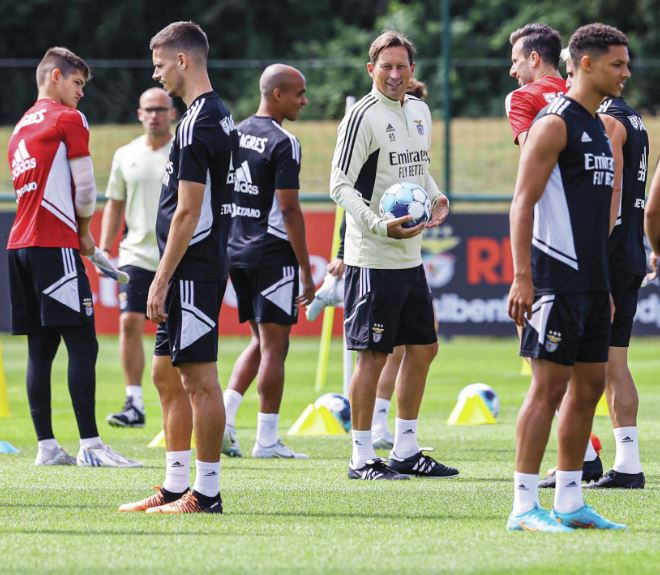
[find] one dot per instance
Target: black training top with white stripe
(201, 152)
(627, 254)
(268, 160)
(571, 220)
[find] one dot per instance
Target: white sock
(363, 449)
(177, 471)
(568, 491)
(135, 393)
(267, 428)
(232, 401)
(381, 414)
(525, 492)
(207, 479)
(405, 438)
(590, 454)
(91, 442)
(49, 444)
(627, 451)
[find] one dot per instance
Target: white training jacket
(380, 142)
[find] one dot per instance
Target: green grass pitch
(306, 516)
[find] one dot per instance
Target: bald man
(133, 191)
(267, 255)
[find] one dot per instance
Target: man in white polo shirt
(133, 192)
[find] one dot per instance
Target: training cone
(159, 440)
(526, 368)
(470, 410)
(601, 408)
(316, 421)
(4, 400)
(6, 447)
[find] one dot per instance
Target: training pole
(328, 317)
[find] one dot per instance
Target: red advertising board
(319, 226)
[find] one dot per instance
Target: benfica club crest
(377, 330)
(552, 339)
(88, 305)
(420, 127)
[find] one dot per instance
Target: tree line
(327, 39)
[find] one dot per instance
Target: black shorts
(386, 308)
(266, 295)
(48, 288)
(133, 295)
(190, 333)
(568, 328)
(625, 289)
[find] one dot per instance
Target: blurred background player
(630, 147)
(329, 294)
(652, 219)
(267, 250)
(535, 50)
(136, 178)
(51, 299)
(387, 298)
(535, 56)
(185, 297)
(560, 292)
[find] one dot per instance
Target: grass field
(306, 516)
(484, 158)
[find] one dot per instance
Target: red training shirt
(523, 104)
(44, 140)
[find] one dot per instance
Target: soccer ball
(404, 198)
(486, 392)
(338, 405)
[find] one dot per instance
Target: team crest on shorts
(420, 127)
(378, 330)
(123, 301)
(552, 339)
(89, 306)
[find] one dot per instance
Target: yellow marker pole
(4, 400)
(328, 316)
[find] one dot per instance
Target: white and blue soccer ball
(339, 406)
(404, 198)
(486, 392)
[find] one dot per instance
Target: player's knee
(200, 386)
(548, 395)
(424, 354)
(131, 323)
(592, 391)
(432, 350)
(274, 339)
(81, 343)
(371, 360)
(202, 393)
(166, 380)
(43, 346)
(275, 353)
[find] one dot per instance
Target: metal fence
(472, 147)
